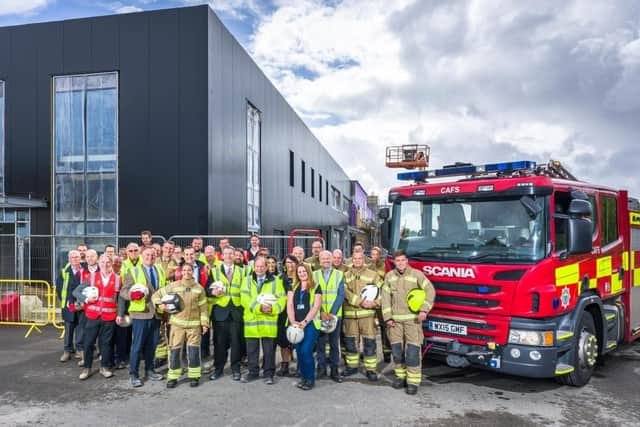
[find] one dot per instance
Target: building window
(326, 192)
(346, 205)
(2, 137)
(303, 167)
(292, 181)
(85, 138)
(253, 168)
(609, 209)
(335, 199)
(313, 183)
(320, 187)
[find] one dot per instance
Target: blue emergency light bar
(468, 169)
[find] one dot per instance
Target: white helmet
(172, 303)
(295, 335)
(218, 285)
(268, 299)
(370, 292)
(126, 321)
(328, 326)
(91, 294)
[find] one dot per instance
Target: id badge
(300, 307)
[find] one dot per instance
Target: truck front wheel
(585, 353)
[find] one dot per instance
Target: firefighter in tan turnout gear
(404, 319)
(189, 320)
(361, 299)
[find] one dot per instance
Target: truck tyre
(585, 353)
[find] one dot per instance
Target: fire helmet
(328, 326)
(268, 299)
(172, 303)
(295, 335)
(218, 285)
(138, 291)
(91, 294)
(126, 321)
(370, 292)
(415, 299)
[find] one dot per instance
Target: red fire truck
(537, 274)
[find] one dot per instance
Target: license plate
(447, 328)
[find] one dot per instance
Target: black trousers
(205, 345)
(121, 344)
(102, 332)
(268, 352)
(227, 335)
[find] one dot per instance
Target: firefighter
(169, 266)
(404, 323)
(337, 261)
(359, 316)
(358, 246)
(331, 282)
(261, 318)
(314, 259)
(187, 325)
(227, 315)
(202, 276)
(377, 264)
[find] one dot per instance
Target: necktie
(260, 282)
(152, 276)
(229, 274)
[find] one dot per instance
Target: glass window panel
(2, 137)
(101, 196)
(70, 228)
(69, 131)
(70, 197)
(101, 228)
(101, 129)
(9, 215)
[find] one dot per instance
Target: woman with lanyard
(303, 305)
(288, 276)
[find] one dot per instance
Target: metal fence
(278, 245)
(28, 303)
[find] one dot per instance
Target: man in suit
(68, 280)
(227, 315)
(145, 322)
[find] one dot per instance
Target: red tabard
(106, 306)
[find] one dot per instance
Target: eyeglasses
(133, 250)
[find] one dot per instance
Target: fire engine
(537, 274)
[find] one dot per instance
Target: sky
(478, 81)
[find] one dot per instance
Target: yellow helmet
(415, 299)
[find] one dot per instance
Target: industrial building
(154, 120)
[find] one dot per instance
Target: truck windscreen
(507, 230)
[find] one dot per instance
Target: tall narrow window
(320, 187)
(313, 183)
(85, 137)
(1, 137)
(292, 181)
(253, 168)
(326, 192)
(303, 167)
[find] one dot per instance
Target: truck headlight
(537, 338)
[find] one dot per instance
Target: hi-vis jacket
(256, 323)
(394, 294)
(193, 303)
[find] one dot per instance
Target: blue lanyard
(301, 294)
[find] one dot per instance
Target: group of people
(165, 304)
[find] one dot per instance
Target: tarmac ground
(36, 389)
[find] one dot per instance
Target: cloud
(128, 9)
(477, 83)
(14, 7)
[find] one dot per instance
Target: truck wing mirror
(579, 208)
(383, 214)
(579, 235)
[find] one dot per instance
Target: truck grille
(467, 302)
(462, 287)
